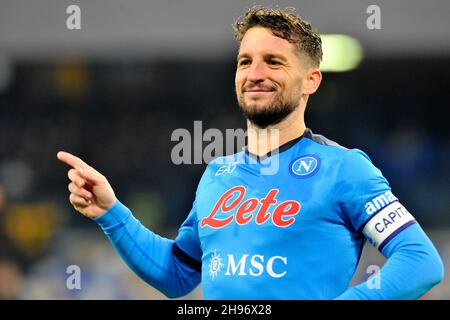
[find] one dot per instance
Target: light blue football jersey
(291, 225)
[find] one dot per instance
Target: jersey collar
(280, 149)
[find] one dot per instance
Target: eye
(273, 62)
(244, 62)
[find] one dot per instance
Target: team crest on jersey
(305, 166)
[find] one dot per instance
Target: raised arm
(160, 262)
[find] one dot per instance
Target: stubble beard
(271, 114)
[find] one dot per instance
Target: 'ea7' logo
(304, 166)
(226, 168)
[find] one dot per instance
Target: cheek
(294, 86)
(239, 79)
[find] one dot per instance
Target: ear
(311, 81)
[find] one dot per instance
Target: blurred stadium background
(114, 91)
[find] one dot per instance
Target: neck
(263, 141)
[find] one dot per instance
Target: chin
(258, 105)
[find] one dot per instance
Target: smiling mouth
(256, 93)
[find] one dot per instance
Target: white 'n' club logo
(304, 166)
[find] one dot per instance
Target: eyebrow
(242, 55)
(266, 56)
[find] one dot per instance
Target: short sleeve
(367, 202)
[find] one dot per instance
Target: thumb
(91, 176)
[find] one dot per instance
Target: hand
(90, 192)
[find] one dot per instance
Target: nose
(256, 72)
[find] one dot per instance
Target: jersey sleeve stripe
(392, 236)
(186, 259)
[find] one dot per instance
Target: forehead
(259, 40)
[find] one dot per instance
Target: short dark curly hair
(284, 23)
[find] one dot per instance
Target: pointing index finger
(71, 160)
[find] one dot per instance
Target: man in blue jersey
(293, 232)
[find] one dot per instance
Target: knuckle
(71, 174)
